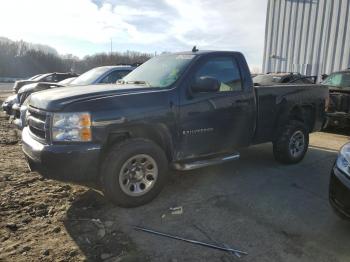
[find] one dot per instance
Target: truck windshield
(340, 80)
(160, 71)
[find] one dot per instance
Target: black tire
(281, 147)
(332, 192)
(118, 156)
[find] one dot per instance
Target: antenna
(194, 49)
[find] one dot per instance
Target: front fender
(156, 132)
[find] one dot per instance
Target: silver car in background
(98, 75)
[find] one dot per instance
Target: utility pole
(111, 46)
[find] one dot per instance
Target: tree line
(21, 59)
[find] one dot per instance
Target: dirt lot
(274, 212)
(43, 220)
(6, 86)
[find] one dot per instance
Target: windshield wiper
(138, 82)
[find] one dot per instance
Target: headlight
(343, 161)
(71, 127)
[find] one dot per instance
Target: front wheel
(292, 143)
(134, 172)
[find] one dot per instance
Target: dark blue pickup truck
(185, 110)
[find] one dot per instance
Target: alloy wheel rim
(138, 175)
(297, 144)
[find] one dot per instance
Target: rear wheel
(292, 143)
(134, 172)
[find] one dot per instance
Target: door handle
(241, 101)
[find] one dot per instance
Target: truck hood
(57, 98)
(339, 90)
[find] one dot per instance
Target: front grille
(37, 132)
(38, 114)
(37, 122)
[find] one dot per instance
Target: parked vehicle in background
(338, 110)
(98, 75)
(103, 75)
(19, 108)
(186, 110)
(282, 78)
(13, 99)
(8, 103)
(34, 77)
(67, 81)
(49, 77)
(339, 188)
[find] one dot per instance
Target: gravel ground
(35, 224)
(272, 211)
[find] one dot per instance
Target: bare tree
(22, 59)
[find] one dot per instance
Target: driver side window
(224, 69)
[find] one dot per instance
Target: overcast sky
(82, 27)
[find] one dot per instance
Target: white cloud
(167, 24)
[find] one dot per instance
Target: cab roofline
(205, 52)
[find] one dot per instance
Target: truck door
(214, 122)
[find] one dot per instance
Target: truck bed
(272, 101)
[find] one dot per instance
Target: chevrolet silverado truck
(186, 110)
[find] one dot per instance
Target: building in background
(311, 37)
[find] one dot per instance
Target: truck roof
(203, 52)
(115, 66)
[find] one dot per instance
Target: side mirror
(206, 84)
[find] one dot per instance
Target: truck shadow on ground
(239, 189)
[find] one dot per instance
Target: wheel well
(296, 114)
(305, 114)
(151, 134)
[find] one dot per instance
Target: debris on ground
(176, 210)
(195, 242)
